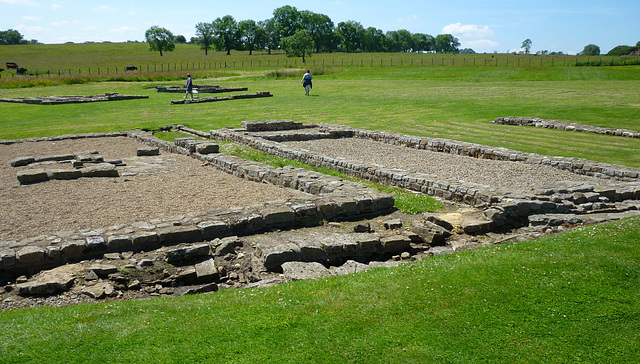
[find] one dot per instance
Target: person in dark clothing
(189, 86)
(306, 82)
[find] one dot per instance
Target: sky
(482, 25)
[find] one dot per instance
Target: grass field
(569, 298)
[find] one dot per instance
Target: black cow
(1, 69)
(130, 68)
(21, 71)
(12, 65)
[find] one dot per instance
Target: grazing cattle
(12, 65)
(130, 68)
(21, 71)
(1, 69)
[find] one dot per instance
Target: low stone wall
(563, 125)
(59, 100)
(331, 198)
(257, 95)
(201, 89)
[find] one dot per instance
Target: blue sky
(483, 25)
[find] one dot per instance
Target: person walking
(306, 82)
(189, 86)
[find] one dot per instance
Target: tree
(180, 39)
(299, 44)
(11, 37)
(350, 35)
(590, 50)
(321, 29)
(227, 33)
(423, 42)
(252, 35)
(272, 37)
(159, 39)
(621, 50)
(526, 45)
(446, 43)
(205, 33)
(288, 20)
(373, 40)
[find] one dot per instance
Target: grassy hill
(569, 298)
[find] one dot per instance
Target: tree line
(301, 33)
(12, 37)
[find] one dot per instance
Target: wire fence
(329, 61)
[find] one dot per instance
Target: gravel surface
(513, 176)
(165, 186)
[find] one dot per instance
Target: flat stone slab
(296, 271)
(47, 284)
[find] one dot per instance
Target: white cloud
(481, 43)
(21, 2)
(468, 31)
(56, 6)
(103, 8)
(123, 29)
(408, 19)
(31, 18)
(91, 27)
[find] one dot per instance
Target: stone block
(395, 243)
(119, 243)
(212, 229)
(179, 234)
(227, 246)
(103, 270)
(369, 243)
(46, 285)
(145, 240)
(100, 170)
(273, 255)
(296, 271)
(64, 173)
(187, 253)
(73, 249)
(429, 232)
(474, 227)
(32, 176)
(310, 250)
(30, 255)
(207, 271)
(207, 148)
(22, 161)
(7, 258)
(278, 216)
(350, 267)
(147, 151)
(95, 243)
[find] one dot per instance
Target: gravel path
(497, 174)
(175, 185)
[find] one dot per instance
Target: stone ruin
(274, 242)
(257, 95)
(201, 89)
(59, 100)
(562, 125)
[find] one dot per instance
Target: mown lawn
(568, 298)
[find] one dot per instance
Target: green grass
(569, 298)
(448, 102)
